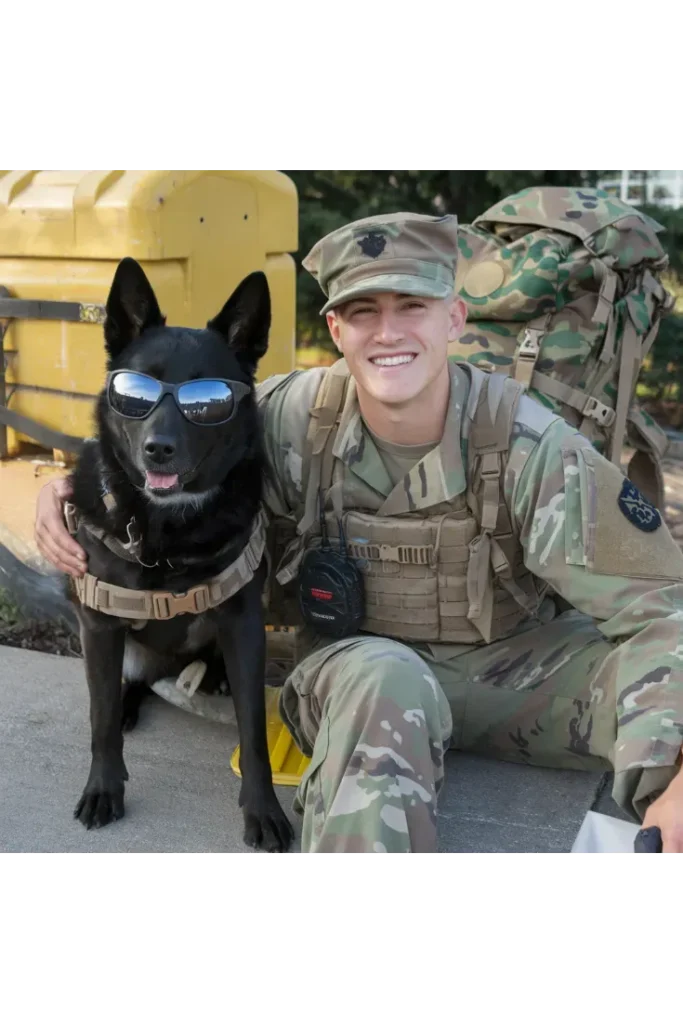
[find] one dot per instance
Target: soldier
(476, 516)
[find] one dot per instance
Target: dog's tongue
(162, 481)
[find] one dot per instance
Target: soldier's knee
(387, 700)
(380, 668)
(355, 682)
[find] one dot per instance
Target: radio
(331, 587)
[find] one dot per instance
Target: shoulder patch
(638, 509)
(613, 547)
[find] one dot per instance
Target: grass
(9, 613)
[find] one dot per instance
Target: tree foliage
(661, 379)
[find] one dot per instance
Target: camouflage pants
(376, 717)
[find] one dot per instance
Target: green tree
(672, 237)
(661, 378)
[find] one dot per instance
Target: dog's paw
(267, 827)
(102, 799)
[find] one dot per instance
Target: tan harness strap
(320, 438)
(490, 430)
(585, 404)
(404, 554)
(609, 344)
(633, 350)
(489, 439)
(630, 355)
(604, 307)
(130, 551)
(529, 349)
(163, 604)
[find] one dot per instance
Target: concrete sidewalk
(182, 794)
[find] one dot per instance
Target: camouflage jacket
(583, 528)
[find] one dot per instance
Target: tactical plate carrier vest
(453, 573)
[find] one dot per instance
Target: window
(663, 188)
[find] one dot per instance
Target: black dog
(166, 497)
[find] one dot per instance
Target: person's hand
(667, 814)
(54, 541)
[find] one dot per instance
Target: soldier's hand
(667, 813)
(54, 541)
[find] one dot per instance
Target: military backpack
(563, 289)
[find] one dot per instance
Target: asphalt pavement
(182, 794)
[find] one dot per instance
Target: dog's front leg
(242, 638)
(102, 798)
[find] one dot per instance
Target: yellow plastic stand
(286, 760)
(197, 235)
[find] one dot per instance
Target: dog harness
(161, 604)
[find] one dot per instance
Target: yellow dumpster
(196, 233)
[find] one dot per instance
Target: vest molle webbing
(452, 574)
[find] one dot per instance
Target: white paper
(601, 834)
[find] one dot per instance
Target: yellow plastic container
(286, 760)
(196, 233)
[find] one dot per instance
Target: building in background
(661, 188)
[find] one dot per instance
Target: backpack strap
(322, 432)
(264, 389)
(492, 415)
(629, 362)
(589, 407)
(634, 349)
(529, 349)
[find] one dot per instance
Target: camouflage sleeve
(586, 530)
(284, 403)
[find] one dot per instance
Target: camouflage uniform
(598, 685)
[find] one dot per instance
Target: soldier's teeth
(391, 360)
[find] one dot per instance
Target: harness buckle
(167, 605)
(531, 345)
(599, 412)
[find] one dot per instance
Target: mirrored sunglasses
(206, 402)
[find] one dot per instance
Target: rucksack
(563, 289)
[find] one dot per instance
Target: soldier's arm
(589, 534)
(610, 555)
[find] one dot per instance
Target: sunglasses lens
(132, 395)
(206, 401)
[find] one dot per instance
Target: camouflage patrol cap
(408, 253)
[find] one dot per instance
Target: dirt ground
(47, 637)
(51, 638)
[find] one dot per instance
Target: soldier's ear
(333, 327)
(458, 317)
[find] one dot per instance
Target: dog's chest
(186, 634)
(134, 574)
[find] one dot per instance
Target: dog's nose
(159, 447)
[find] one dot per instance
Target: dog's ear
(131, 307)
(244, 320)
